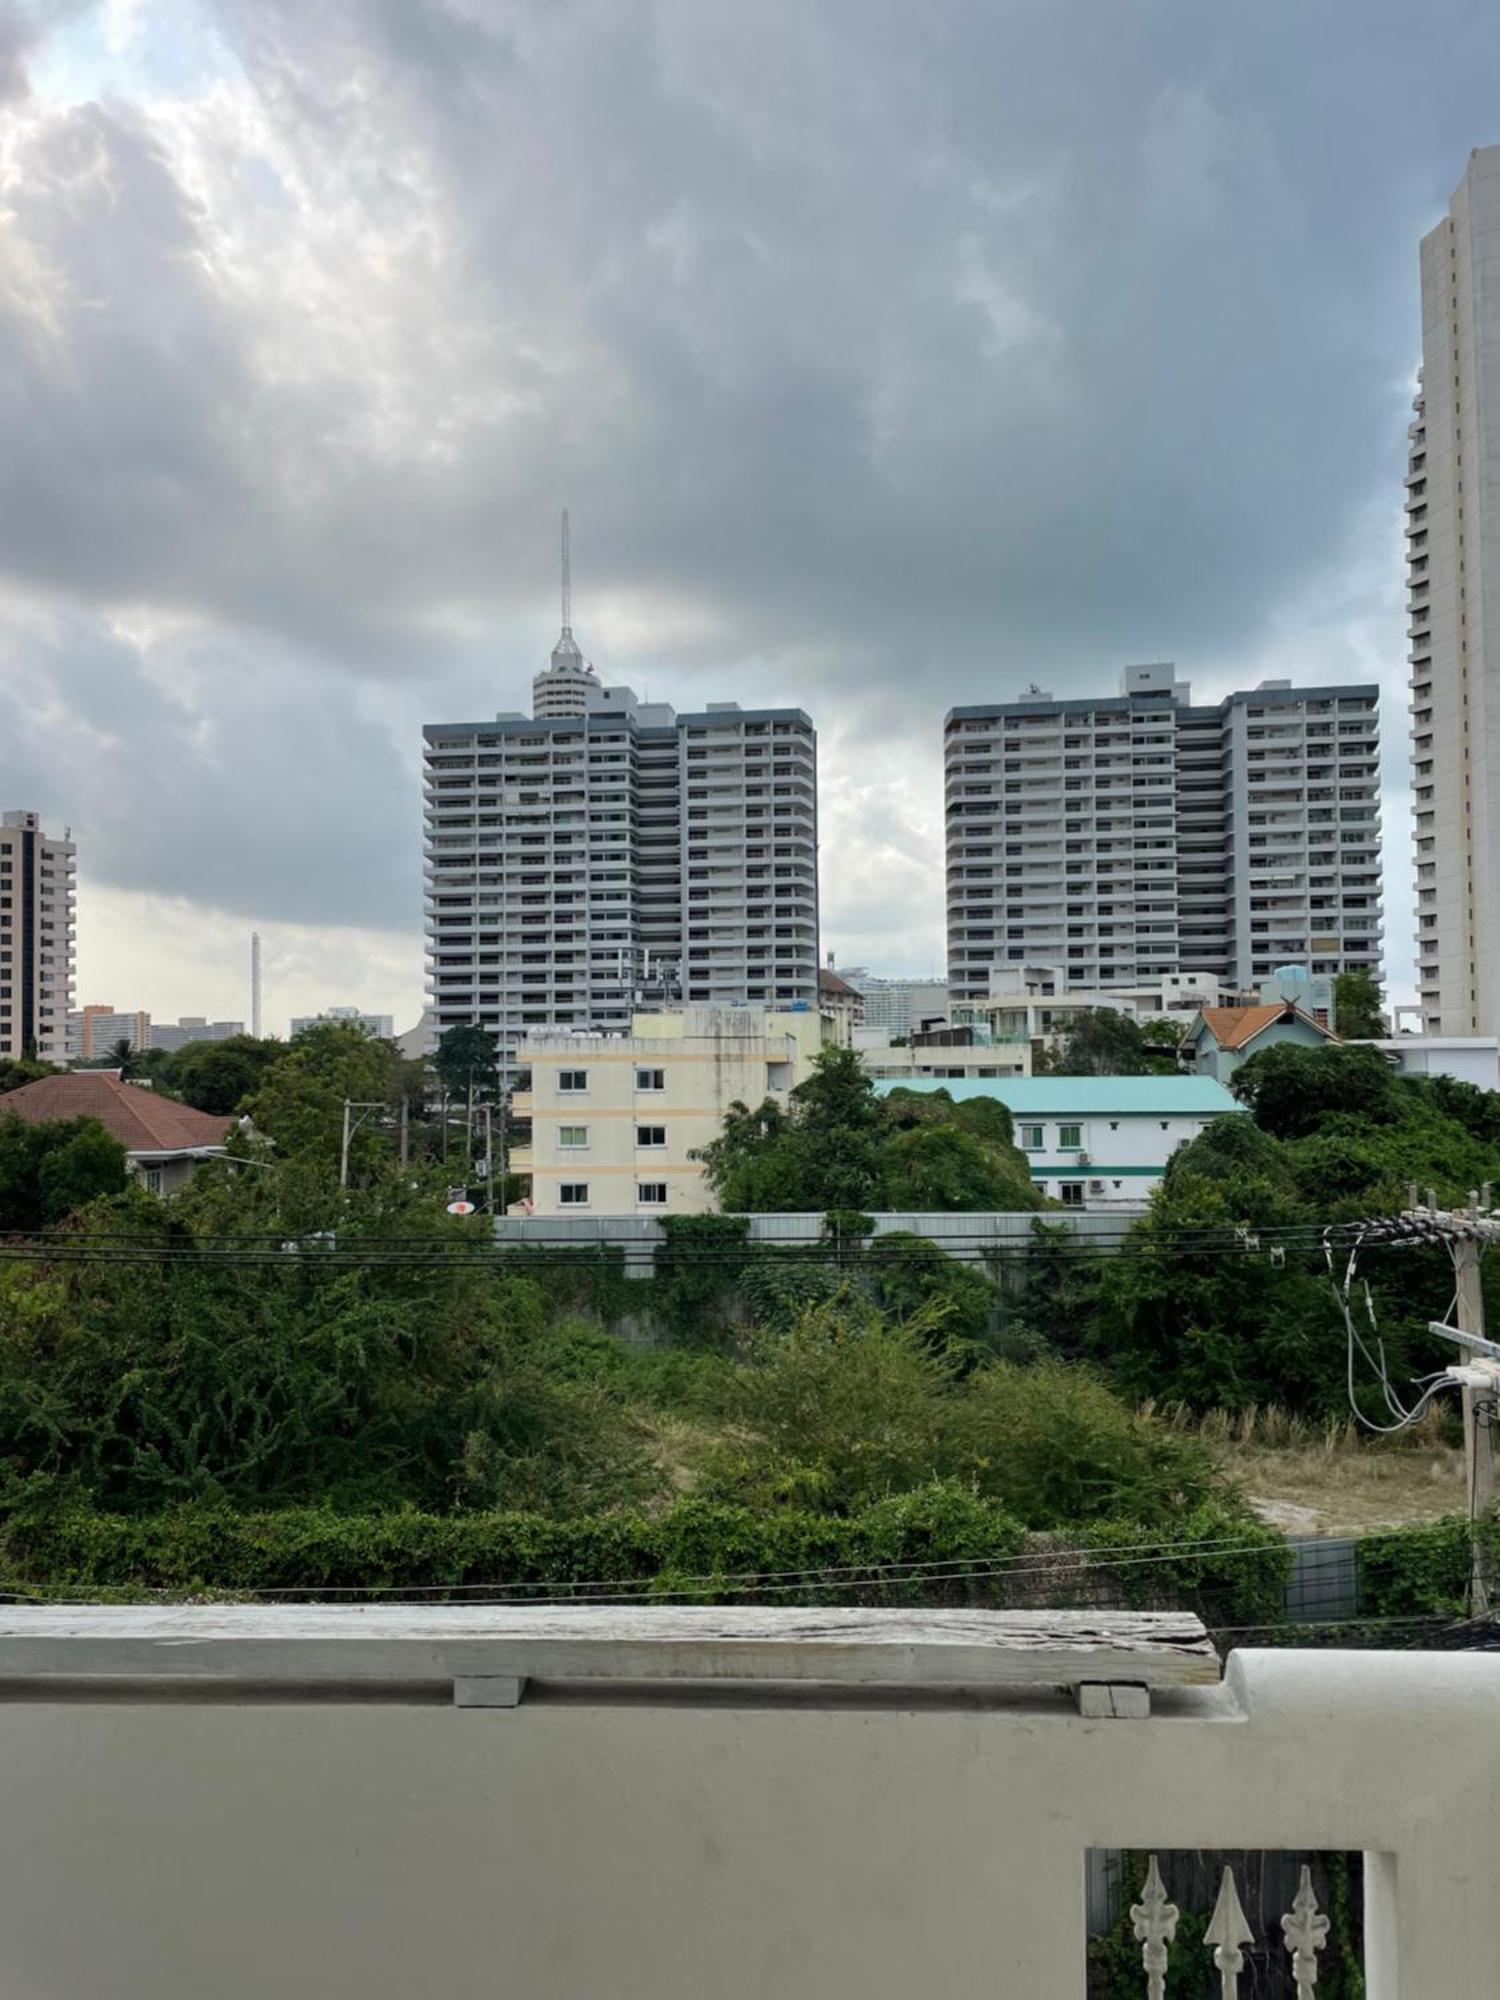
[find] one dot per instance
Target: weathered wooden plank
(866, 1648)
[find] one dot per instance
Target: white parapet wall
(227, 1805)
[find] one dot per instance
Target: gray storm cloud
(889, 357)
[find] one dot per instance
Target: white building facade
(381, 1025)
(94, 1031)
(1453, 586)
(1132, 838)
(609, 1124)
(38, 883)
(898, 1005)
(582, 867)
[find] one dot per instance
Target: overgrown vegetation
(839, 1145)
(374, 1393)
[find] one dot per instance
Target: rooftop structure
(163, 1140)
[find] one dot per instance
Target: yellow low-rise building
(609, 1123)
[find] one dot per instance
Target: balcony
(563, 1803)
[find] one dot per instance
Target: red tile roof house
(164, 1142)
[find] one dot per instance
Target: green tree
(1292, 1091)
(1356, 1007)
(299, 1102)
(303, 1381)
(121, 1056)
(1099, 1041)
(943, 1167)
(466, 1055)
(48, 1171)
(218, 1076)
(16, 1070)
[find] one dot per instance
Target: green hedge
(1419, 1572)
(696, 1548)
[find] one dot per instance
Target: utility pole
(405, 1131)
(366, 1107)
(489, 1158)
(344, 1148)
(1465, 1232)
(1479, 1422)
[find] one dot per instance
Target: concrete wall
(672, 1847)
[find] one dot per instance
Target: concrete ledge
(775, 1646)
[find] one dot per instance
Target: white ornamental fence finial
(1305, 1929)
(1228, 1929)
(1155, 1923)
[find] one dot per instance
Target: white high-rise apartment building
(1453, 580)
(1134, 836)
(37, 894)
(581, 867)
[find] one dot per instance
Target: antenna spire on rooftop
(567, 578)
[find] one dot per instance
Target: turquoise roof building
(1094, 1141)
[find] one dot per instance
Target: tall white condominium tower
(1453, 578)
(1135, 835)
(36, 939)
(579, 867)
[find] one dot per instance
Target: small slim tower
(562, 689)
(255, 983)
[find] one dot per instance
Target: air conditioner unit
(1096, 1187)
(1084, 1160)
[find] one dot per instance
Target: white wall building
(1093, 1141)
(1453, 582)
(1466, 1058)
(1133, 837)
(579, 868)
(986, 1055)
(94, 1031)
(608, 1124)
(37, 931)
(382, 1025)
(898, 1005)
(192, 1028)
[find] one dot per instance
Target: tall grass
(1269, 1427)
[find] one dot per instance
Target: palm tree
(122, 1056)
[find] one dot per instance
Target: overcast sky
(888, 356)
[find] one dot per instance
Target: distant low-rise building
(192, 1028)
(94, 1031)
(1466, 1058)
(841, 1003)
(1221, 1038)
(165, 1142)
(943, 1052)
(898, 1005)
(381, 1025)
(608, 1124)
(1096, 1141)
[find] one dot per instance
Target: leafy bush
(936, 1544)
(848, 1405)
(1420, 1571)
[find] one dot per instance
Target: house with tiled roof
(165, 1142)
(1221, 1038)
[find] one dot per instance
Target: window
(651, 1135)
(572, 1079)
(572, 1135)
(151, 1179)
(1033, 1138)
(1071, 1193)
(573, 1194)
(650, 1079)
(652, 1194)
(1070, 1137)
